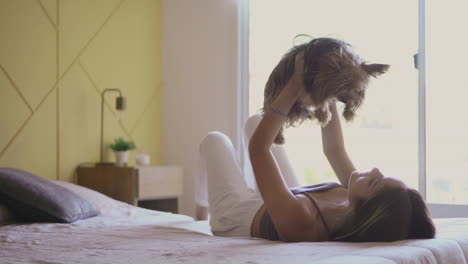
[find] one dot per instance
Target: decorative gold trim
(45, 97)
(125, 130)
(15, 136)
(88, 75)
(47, 15)
(25, 122)
(57, 99)
(16, 88)
(109, 107)
(157, 90)
(93, 37)
(62, 73)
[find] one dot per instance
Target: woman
(366, 206)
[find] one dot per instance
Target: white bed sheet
(154, 237)
(127, 234)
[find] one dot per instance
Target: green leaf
(121, 145)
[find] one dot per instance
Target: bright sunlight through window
(385, 132)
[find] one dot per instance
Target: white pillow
(104, 204)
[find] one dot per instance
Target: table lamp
(120, 104)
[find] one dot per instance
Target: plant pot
(121, 158)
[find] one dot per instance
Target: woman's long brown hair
(390, 215)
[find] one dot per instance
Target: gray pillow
(34, 199)
(6, 215)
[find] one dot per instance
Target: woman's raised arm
(334, 148)
(286, 211)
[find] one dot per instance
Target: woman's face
(363, 185)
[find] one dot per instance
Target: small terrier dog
(332, 71)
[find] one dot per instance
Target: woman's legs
(279, 152)
(201, 192)
(232, 205)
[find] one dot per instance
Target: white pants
(232, 204)
(231, 195)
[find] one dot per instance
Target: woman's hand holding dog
(296, 82)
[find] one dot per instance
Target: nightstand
(152, 187)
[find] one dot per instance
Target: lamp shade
(120, 103)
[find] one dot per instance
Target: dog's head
(333, 71)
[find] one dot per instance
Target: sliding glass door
(413, 124)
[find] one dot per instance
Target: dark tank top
(268, 230)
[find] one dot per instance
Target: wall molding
(109, 14)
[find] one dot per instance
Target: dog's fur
(331, 72)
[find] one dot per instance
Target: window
(385, 131)
(446, 102)
(384, 134)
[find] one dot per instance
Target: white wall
(200, 62)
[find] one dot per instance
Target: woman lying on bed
(365, 207)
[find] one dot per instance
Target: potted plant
(121, 149)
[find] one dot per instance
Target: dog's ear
(375, 69)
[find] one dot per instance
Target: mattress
(126, 234)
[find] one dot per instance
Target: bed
(123, 233)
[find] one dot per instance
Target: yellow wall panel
(85, 46)
(148, 130)
(131, 61)
(80, 123)
(10, 121)
(28, 48)
(80, 20)
(35, 147)
(79, 107)
(50, 7)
